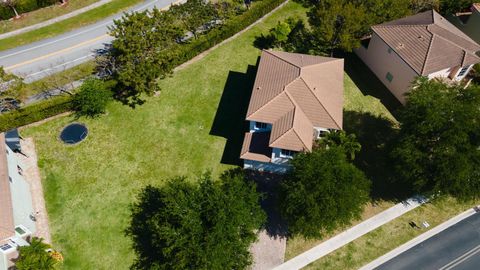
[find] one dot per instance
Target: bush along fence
(22, 6)
(185, 52)
(35, 112)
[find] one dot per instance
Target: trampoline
(74, 133)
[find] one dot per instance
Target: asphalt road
(456, 248)
(39, 59)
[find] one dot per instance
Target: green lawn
(43, 14)
(89, 187)
(83, 19)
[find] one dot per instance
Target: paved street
(42, 58)
(457, 247)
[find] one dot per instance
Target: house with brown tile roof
(296, 98)
(468, 22)
(425, 44)
(16, 209)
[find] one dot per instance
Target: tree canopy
(448, 7)
(322, 192)
(208, 225)
(92, 98)
(140, 54)
(339, 138)
(438, 145)
(35, 256)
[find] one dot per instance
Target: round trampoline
(74, 133)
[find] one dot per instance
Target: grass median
(78, 21)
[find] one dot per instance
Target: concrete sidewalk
(417, 240)
(54, 20)
(351, 234)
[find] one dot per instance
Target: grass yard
(391, 235)
(43, 14)
(89, 187)
(78, 21)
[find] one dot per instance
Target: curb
(417, 240)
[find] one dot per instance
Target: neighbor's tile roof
(6, 210)
(296, 92)
(476, 6)
(428, 42)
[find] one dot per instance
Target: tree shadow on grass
(368, 83)
(376, 135)
(230, 120)
(268, 185)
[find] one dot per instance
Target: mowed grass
(391, 235)
(89, 187)
(78, 21)
(43, 14)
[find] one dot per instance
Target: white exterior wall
(266, 166)
(378, 58)
(254, 129)
(457, 78)
(440, 74)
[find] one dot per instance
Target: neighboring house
(296, 99)
(425, 44)
(16, 211)
(468, 22)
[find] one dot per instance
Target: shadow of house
(376, 135)
(368, 83)
(229, 121)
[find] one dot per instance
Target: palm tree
(340, 138)
(36, 256)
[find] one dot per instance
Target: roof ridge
(451, 42)
(321, 104)
(284, 60)
(297, 106)
(469, 40)
(400, 25)
(428, 53)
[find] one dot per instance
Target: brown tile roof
(255, 147)
(296, 92)
(6, 210)
(476, 6)
(428, 43)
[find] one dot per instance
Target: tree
(422, 5)
(348, 142)
(322, 192)
(448, 7)
(10, 85)
(338, 24)
(92, 98)
(11, 4)
(36, 256)
(194, 14)
(438, 145)
(140, 53)
(208, 225)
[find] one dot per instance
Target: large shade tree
(322, 192)
(439, 141)
(208, 225)
(140, 53)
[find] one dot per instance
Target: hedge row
(24, 6)
(35, 112)
(215, 36)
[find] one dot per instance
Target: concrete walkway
(417, 240)
(351, 234)
(54, 20)
(32, 176)
(268, 251)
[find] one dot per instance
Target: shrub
(92, 98)
(35, 112)
(24, 6)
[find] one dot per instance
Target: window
(389, 77)
(20, 170)
(259, 125)
(20, 230)
(286, 153)
(322, 133)
(5, 247)
(10, 179)
(463, 71)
